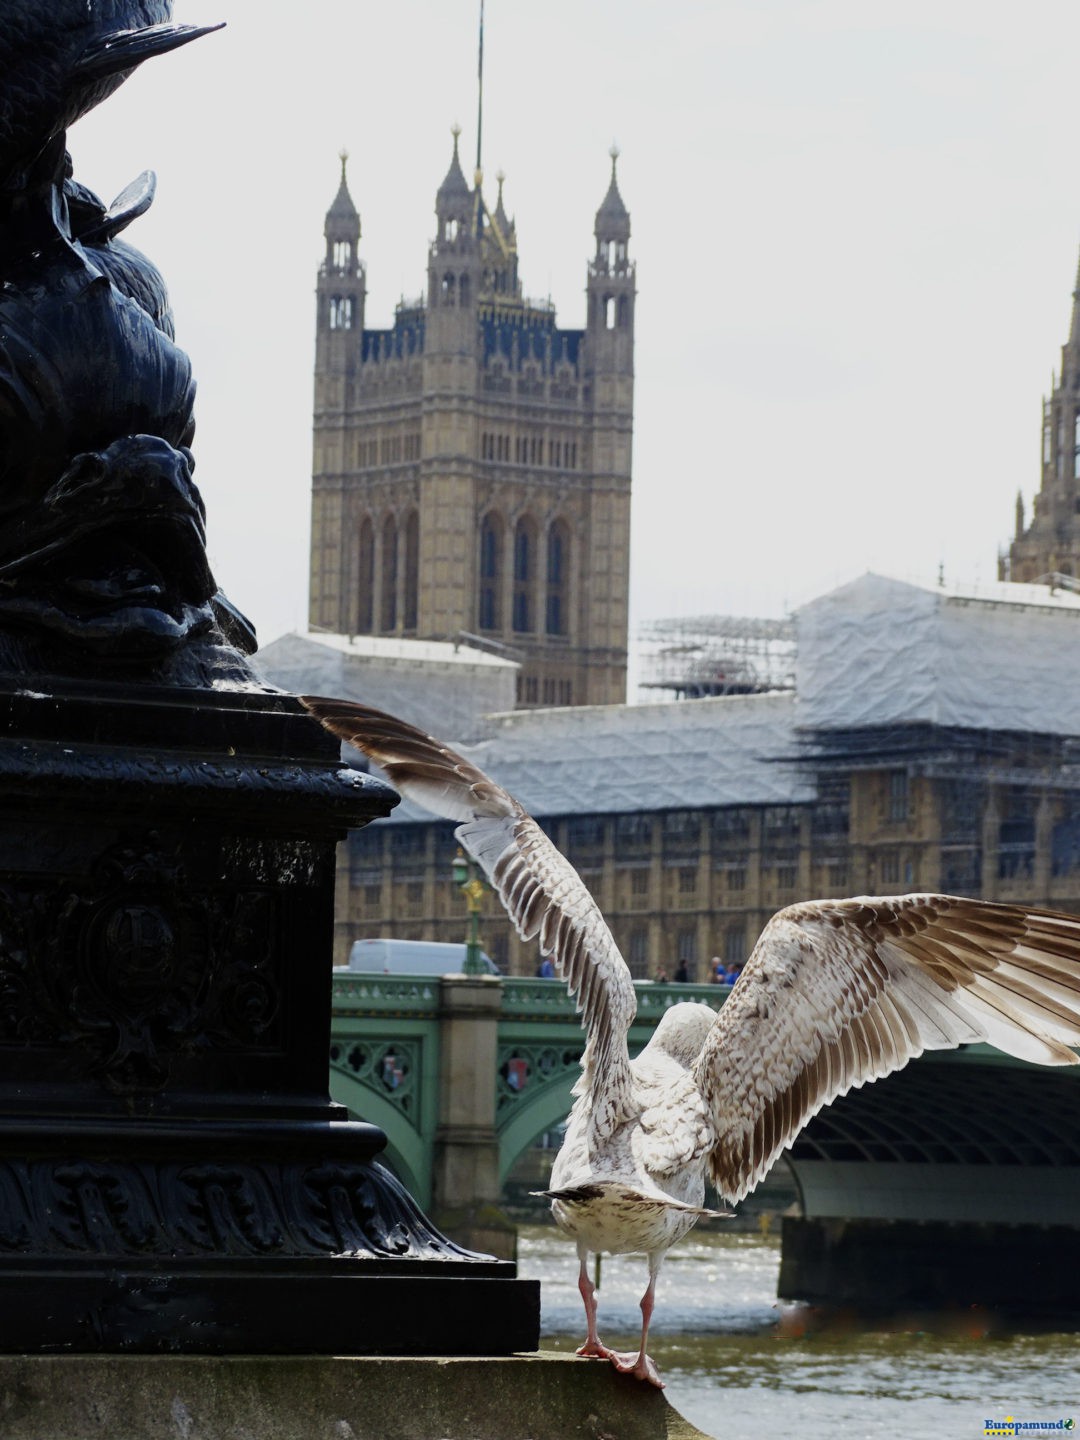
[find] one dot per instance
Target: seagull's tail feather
(612, 1190)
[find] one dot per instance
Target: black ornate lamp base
(173, 1175)
(222, 1239)
(265, 1309)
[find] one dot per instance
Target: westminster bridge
(955, 1182)
(454, 1067)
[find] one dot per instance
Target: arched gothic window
(365, 609)
(341, 312)
(388, 605)
(557, 619)
(524, 564)
(412, 569)
(491, 566)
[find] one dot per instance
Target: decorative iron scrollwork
(128, 1209)
(137, 966)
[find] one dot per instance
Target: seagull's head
(682, 1030)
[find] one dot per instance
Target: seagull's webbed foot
(595, 1350)
(638, 1364)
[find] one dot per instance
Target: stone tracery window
(491, 565)
(524, 564)
(365, 617)
(388, 606)
(557, 618)
(412, 569)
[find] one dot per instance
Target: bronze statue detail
(102, 541)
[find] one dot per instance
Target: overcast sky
(855, 224)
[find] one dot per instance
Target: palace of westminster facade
(472, 462)
(471, 482)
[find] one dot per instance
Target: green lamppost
(472, 887)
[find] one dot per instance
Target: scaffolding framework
(698, 656)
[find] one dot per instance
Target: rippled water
(737, 1366)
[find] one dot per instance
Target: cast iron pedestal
(173, 1175)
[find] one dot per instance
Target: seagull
(836, 993)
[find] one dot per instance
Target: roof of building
(612, 759)
(996, 656)
(878, 651)
(400, 648)
(343, 207)
(444, 688)
(613, 212)
(454, 183)
(527, 333)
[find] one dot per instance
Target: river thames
(741, 1366)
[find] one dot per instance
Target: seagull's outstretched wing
(543, 894)
(839, 992)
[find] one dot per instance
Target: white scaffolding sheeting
(704, 655)
(995, 657)
(443, 688)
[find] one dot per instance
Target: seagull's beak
(124, 49)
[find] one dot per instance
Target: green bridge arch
(407, 1153)
(384, 1067)
(547, 1108)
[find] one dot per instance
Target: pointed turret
(613, 218)
(453, 267)
(498, 252)
(453, 199)
(343, 211)
(611, 284)
(500, 217)
(1074, 327)
(342, 227)
(1051, 540)
(342, 285)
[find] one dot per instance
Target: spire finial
(480, 94)
(343, 156)
(614, 152)
(455, 131)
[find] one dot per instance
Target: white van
(413, 957)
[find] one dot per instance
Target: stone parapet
(530, 1397)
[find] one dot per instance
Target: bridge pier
(898, 1267)
(950, 1185)
(466, 1188)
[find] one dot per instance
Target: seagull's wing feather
(837, 993)
(542, 892)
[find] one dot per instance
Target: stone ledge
(545, 1396)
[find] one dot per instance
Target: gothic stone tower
(1051, 543)
(472, 462)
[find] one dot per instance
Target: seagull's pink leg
(592, 1348)
(640, 1365)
